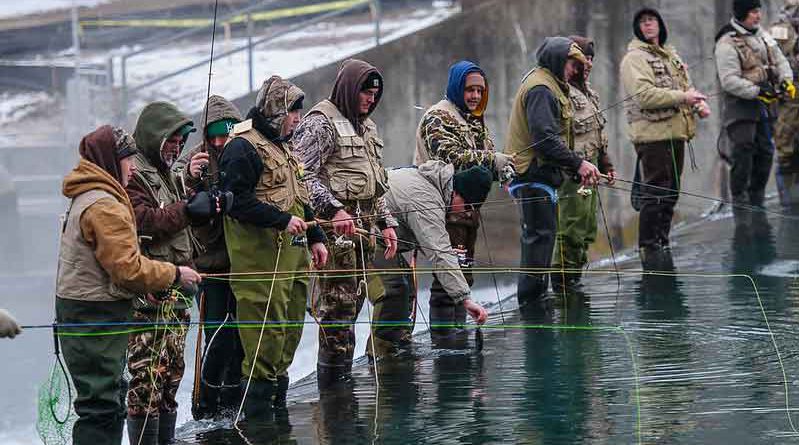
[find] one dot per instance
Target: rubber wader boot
(166, 427)
(229, 401)
(143, 430)
(282, 389)
(259, 399)
(328, 376)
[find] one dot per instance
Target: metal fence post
(249, 50)
(375, 7)
(123, 109)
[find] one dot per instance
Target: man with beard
(163, 216)
(541, 141)
(343, 157)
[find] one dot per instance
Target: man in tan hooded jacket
(660, 112)
(100, 271)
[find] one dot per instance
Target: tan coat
(99, 257)
(656, 80)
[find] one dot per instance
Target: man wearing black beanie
(753, 73)
(422, 198)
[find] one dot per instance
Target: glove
(789, 89)
(203, 206)
(767, 93)
(8, 326)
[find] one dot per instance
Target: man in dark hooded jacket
(343, 157)
(220, 370)
(541, 142)
(163, 216)
(267, 230)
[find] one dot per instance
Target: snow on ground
(15, 9)
(320, 45)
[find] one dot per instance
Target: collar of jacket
(261, 124)
(741, 29)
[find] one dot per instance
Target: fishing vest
(785, 34)
(281, 181)
(589, 123)
(670, 73)
(520, 142)
(754, 66)
(464, 131)
(178, 248)
(80, 275)
(354, 171)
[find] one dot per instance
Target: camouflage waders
(340, 298)
(155, 362)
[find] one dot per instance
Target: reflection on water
(681, 358)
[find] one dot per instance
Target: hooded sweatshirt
(538, 110)
(315, 140)
(99, 247)
(154, 218)
(349, 83)
(448, 131)
(420, 197)
(211, 236)
(242, 166)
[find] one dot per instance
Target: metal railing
(127, 90)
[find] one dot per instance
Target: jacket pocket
(351, 185)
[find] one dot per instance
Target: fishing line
(612, 253)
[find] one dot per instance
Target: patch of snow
(16, 9)
(16, 106)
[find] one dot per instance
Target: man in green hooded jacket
(163, 217)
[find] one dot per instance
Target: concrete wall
(502, 37)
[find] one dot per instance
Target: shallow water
(650, 359)
(685, 359)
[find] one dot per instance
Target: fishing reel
(463, 261)
(299, 241)
(507, 174)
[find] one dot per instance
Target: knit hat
(664, 33)
(220, 128)
(126, 145)
(741, 8)
(473, 184)
(373, 80)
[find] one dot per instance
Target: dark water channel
(685, 359)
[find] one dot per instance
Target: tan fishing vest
(177, 249)
(80, 275)
(670, 73)
(785, 35)
(520, 143)
(753, 67)
(281, 181)
(464, 129)
(354, 171)
(589, 123)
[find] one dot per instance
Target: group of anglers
(273, 194)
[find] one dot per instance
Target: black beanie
(473, 184)
(741, 8)
(372, 81)
(664, 34)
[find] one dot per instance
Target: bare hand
(296, 226)
(343, 223)
(589, 174)
(197, 163)
(390, 238)
(703, 109)
(693, 97)
(477, 312)
(611, 177)
(319, 254)
(188, 276)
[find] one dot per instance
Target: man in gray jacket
(753, 74)
(420, 199)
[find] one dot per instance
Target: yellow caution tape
(255, 17)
